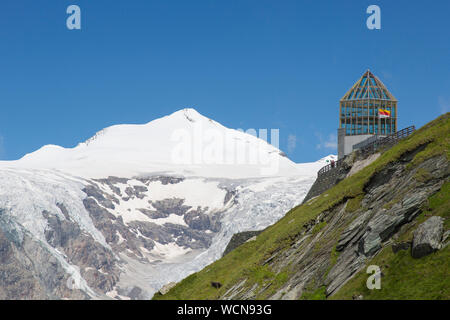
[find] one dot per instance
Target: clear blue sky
(247, 64)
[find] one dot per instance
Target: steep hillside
(393, 213)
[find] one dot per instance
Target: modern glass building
(359, 113)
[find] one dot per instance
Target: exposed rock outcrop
(29, 271)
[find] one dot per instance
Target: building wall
(345, 143)
(341, 138)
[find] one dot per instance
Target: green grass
(334, 256)
(318, 227)
(439, 204)
(260, 274)
(422, 175)
(318, 294)
(243, 262)
(354, 203)
(404, 277)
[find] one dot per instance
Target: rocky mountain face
(113, 219)
(391, 210)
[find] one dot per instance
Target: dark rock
(95, 192)
(64, 210)
(139, 191)
(102, 219)
(240, 238)
(379, 229)
(396, 247)
(185, 236)
(135, 293)
(169, 206)
(129, 191)
(58, 232)
(111, 181)
(152, 230)
(163, 179)
(309, 225)
(229, 195)
(196, 219)
(152, 214)
(136, 191)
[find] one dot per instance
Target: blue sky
(246, 64)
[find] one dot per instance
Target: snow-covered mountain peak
(182, 118)
(184, 142)
(189, 114)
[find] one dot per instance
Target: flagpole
(379, 123)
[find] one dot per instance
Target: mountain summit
(184, 143)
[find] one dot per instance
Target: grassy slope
(403, 276)
(245, 261)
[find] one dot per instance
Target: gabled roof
(368, 87)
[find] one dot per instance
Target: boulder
(427, 237)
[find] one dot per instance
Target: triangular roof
(368, 87)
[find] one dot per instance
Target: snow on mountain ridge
(184, 142)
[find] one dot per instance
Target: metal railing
(390, 139)
(329, 167)
(371, 146)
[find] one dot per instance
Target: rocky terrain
(391, 210)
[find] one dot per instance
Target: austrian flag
(384, 113)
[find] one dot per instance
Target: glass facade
(359, 108)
